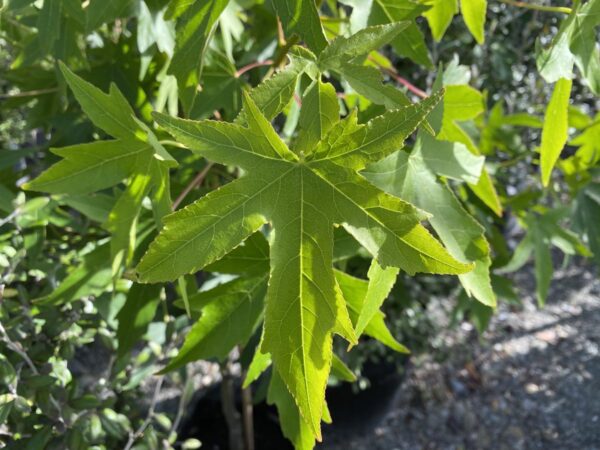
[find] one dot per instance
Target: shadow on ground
(531, 382)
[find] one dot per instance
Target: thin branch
(28, 93)
(404, 82)
(232, 415)
(10, 217)
(16, 347)
(182, 405)
(251, 66)
(556, 9)
(247, 416)
(197, 181)
(140, 431)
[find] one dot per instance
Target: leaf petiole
(556, 9)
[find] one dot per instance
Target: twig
(181, 406)
(28, 93)
(10, 217)
(247, 416)
(232, 416)
(251, 66)
(17, 348)
(197, 181)
(404, 82)
(140, 431)
(556, 9)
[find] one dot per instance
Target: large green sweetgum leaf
(303, 194)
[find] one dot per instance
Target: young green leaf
(111, 111)
(320, 111)
(410, 42)
(543, 262)
(368, 82)
(381, 282)
(273, 95)
(473, 12)
(463, 103)
(343, 49)
(355, 291)
(49, 24)
(556, 127)
(123, 217)
(136, 314)
(440, 15)
(260, 362)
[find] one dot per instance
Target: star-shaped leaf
(303, 194)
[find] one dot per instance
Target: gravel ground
(532, 381)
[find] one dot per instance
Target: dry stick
(197, 181)
(556, 9)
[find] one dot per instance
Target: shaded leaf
(229, 315)
(301, 17)
(194, 28)
(136, 315)
(556, 127)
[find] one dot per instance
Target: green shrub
(186, 181)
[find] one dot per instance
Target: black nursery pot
(353, 412)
